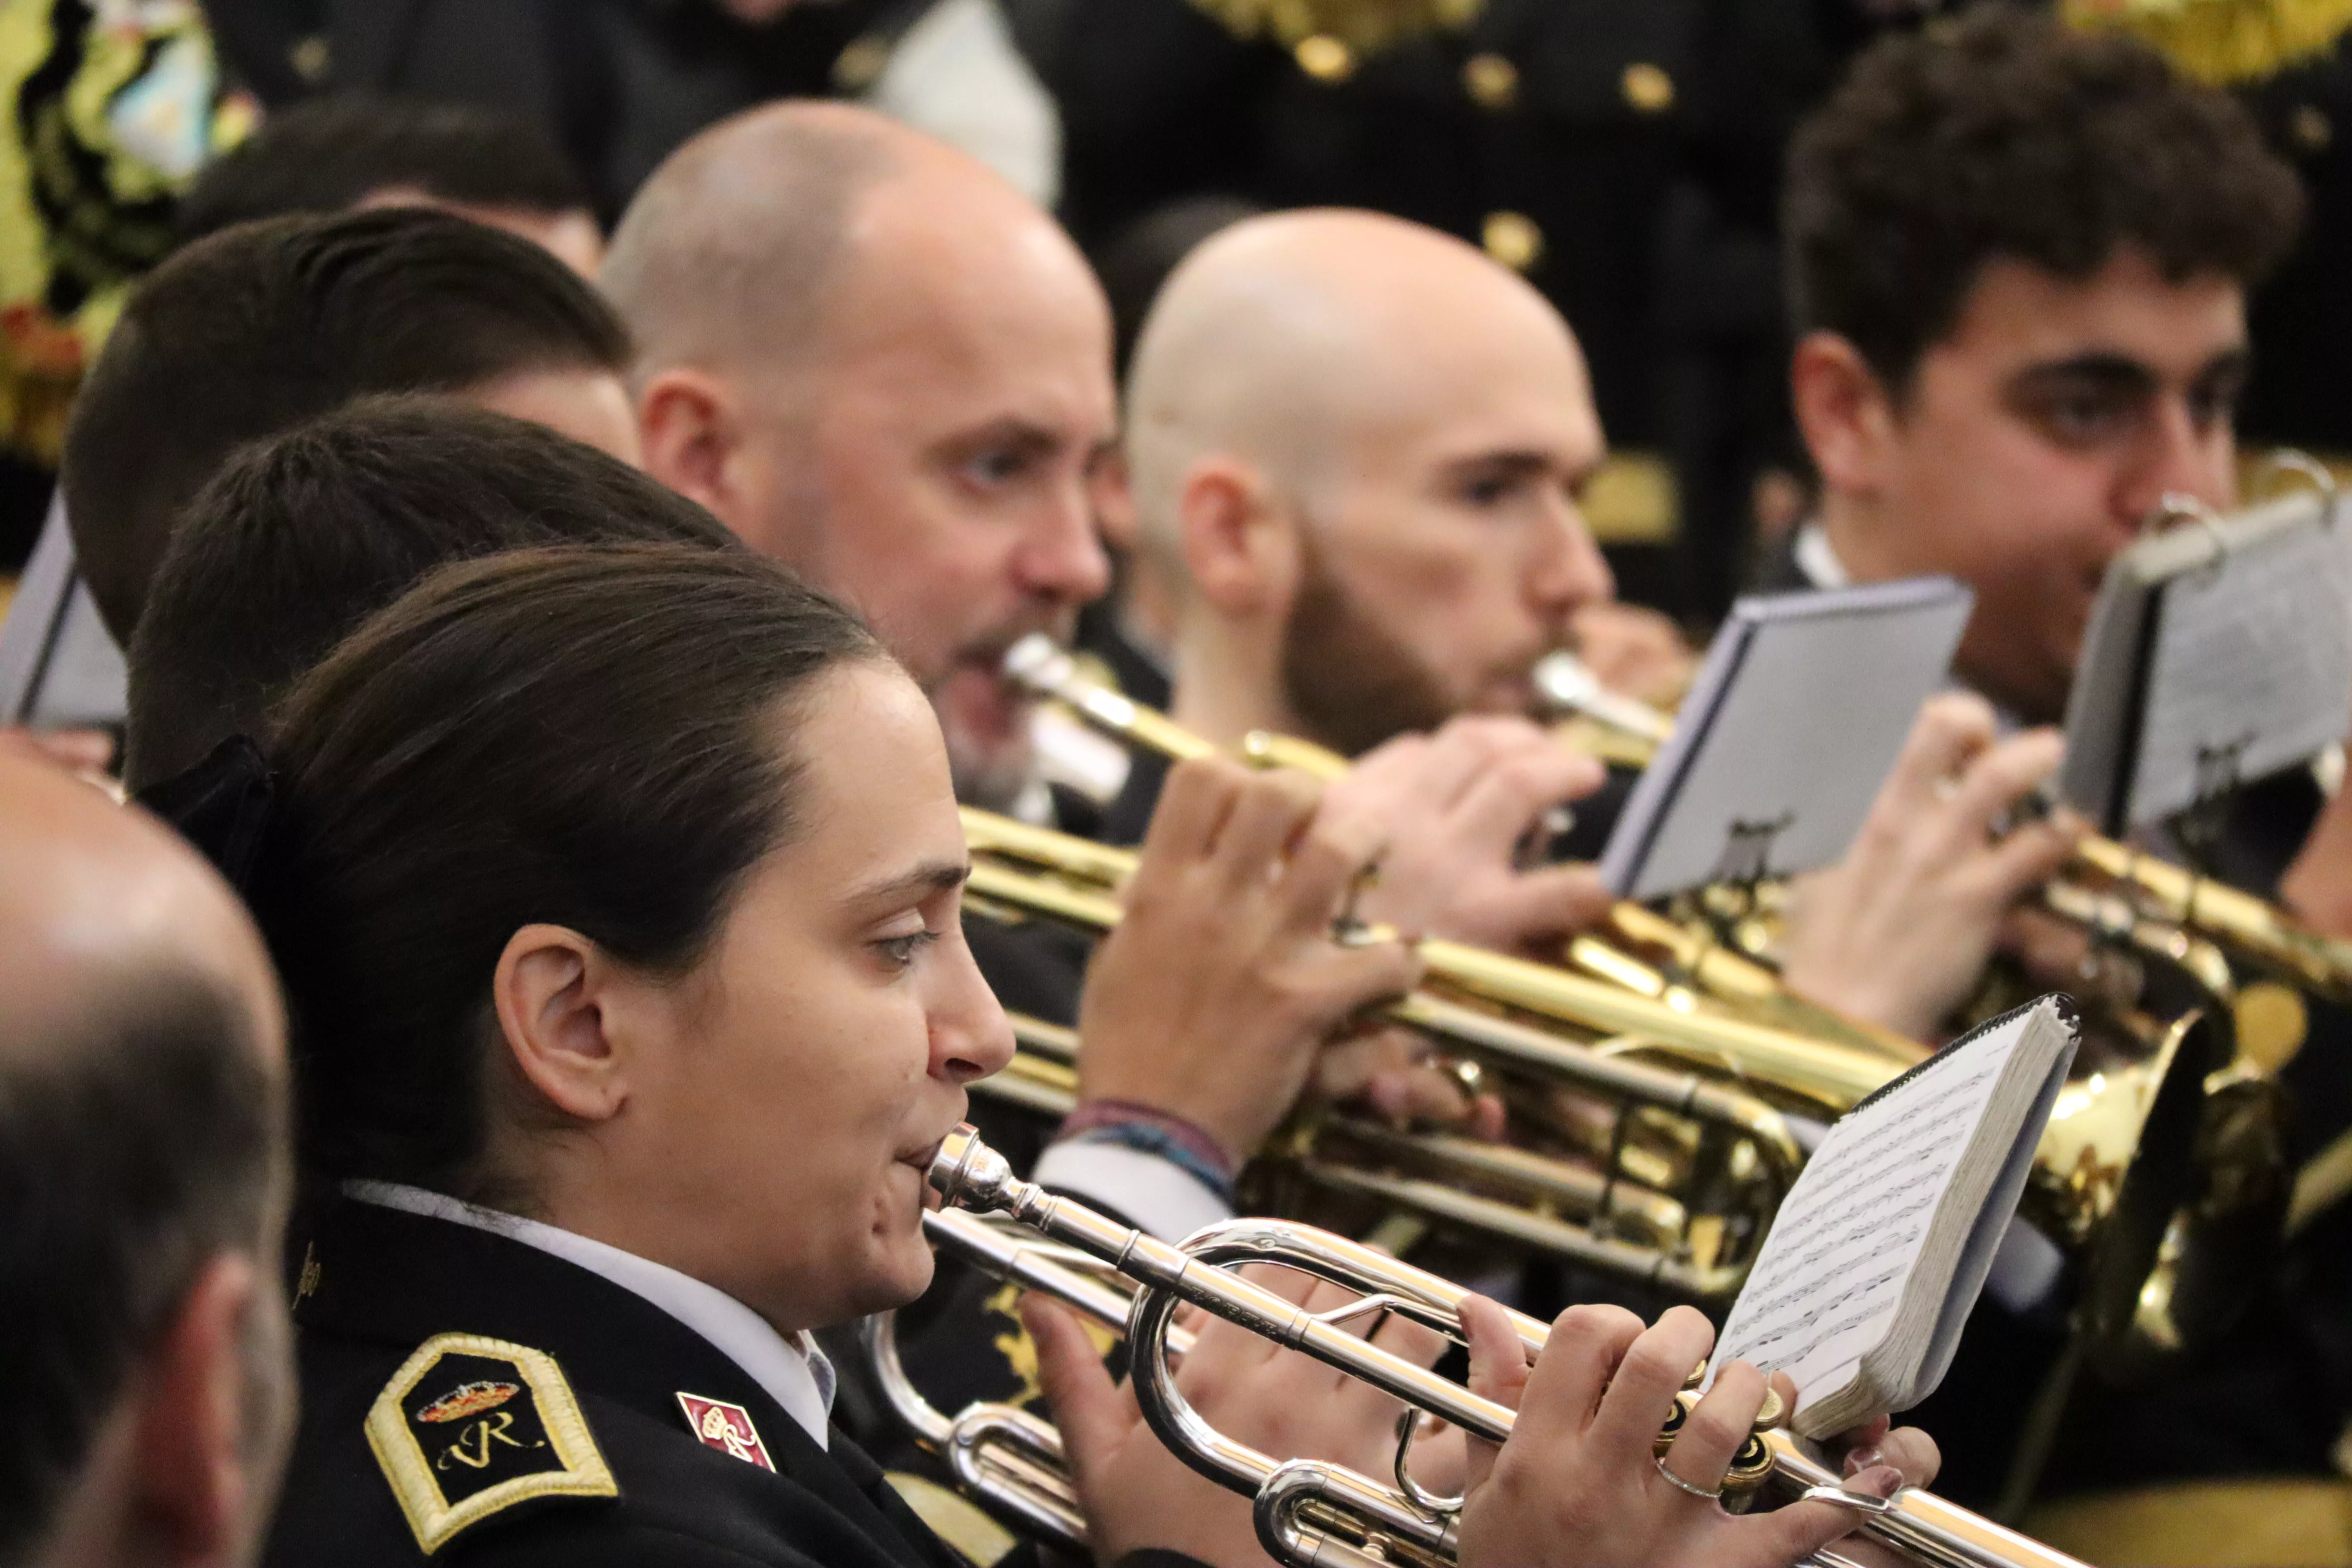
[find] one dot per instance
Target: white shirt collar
(794, 1372)
(1817, 561)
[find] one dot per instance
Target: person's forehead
(2017, 316)
(1447, 398)
(875, 780)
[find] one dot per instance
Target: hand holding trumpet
(1580, 1481)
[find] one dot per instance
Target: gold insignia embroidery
(470, 1425)
(308, 1285)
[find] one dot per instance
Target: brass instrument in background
(2163, 945)
(1674, 1192)
(1308, 1511)
(1638, 950)
(2114, 1165)
(2227, 940)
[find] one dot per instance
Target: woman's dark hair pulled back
(583, 736)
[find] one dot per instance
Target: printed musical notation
(1844, 1242)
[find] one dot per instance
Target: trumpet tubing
(1298, 1501)
(1600, 1218)
(2091, 1189)
(2254, 935)
(1647, 954)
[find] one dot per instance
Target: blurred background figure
(147, 1391)
(61, 669)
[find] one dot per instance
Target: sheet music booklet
(2218, 653)
(1880, 1248)
(1802, 708)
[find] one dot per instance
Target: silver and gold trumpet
(1696, 1106)
(1309, 1512)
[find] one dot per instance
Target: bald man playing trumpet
(1355, 449)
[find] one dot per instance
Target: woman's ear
(552, 993)
(1239, 550)
(1844, 410)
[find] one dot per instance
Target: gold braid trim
(2222, 41)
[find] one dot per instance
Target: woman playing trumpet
(615, 896)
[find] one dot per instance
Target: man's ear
(1240, 550)
(554, 992)
(199, 1476)
(1843, 409)
(693, 427)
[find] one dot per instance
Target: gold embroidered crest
(469, 1426)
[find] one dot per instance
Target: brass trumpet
(1639, 951)
(1312, 1513)
(2219, 935)
(2114, 1165)
(1562, 1207)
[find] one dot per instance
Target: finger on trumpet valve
(1752, 1464)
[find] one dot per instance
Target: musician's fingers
(1551, 901)
(1462, 750)
(1786, 1387)
(1404, 1337)
(1951, 727)
(1274, 810)
(1330, 853)
(1498, 1371)
(2003, 776)
(1097, 1416)
(1790, 1534)
(1911, 1453)
(2023, 861)
(1703, 1451)
(1424, 1096)
(1640, 1392)
(1512, 794)
(1582, 1360)
(1194, 804)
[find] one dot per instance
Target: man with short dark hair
(297, 539)
(2019, 260)
(331, 154)
(146, 1392)
(254, 329)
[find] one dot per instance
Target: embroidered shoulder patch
(469, 1426)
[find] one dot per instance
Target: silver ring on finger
(1681, 1485)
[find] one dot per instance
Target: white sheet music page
(1894, 1216)
(2250, 671)
(1799, 710)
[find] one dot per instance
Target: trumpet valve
(1752, 1464)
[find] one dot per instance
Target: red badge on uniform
(726, 1427)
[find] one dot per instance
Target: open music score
(1879, 1250)
(2219, 652)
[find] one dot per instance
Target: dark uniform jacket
(420, 1338)
(469, 1399)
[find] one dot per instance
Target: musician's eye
(898, 952)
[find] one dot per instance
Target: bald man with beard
(1356, 448)
(146, 1395)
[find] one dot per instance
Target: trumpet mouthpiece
(1039, 663)
(968, 1173)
